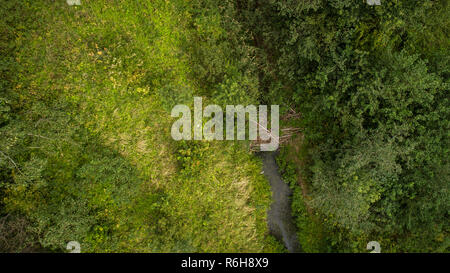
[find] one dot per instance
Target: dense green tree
(372, 85)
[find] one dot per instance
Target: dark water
(279, 217)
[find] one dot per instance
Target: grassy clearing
(89, 90)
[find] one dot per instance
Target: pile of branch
(287, 133)
(291, 114)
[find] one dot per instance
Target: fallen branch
(12, 161)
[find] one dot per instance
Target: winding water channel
(279, 217)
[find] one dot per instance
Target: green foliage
(85, 146)
(372, 85)
(86, 152)
(311, 233)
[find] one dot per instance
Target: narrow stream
(279, 217)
